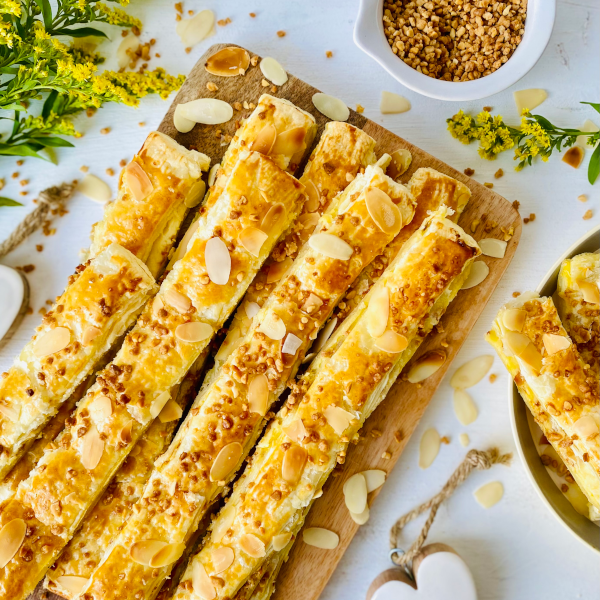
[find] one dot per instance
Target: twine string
(475, 460)
(49, 201)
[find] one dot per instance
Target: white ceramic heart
(13, 295)
(440, 576)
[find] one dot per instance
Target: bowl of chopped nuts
(455, 49)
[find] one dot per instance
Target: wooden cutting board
(308, 569)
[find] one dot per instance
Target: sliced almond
(383, 211)
(281, 540)
(464, 407)
(291, 344)
(493, 247)
(589, 291)
(137, 181)
(489, 494)
(12, 536)
(308, 221)
(159, 403)
(514, 319)
(278, 269)
(252, 239)
(515, 342)
(294, 460)
(52, 341)
(71, 583)
(218, 261)
(182, 124)
(532, 357)
(479, 271)
(555, 343)
(295, 430)
(224, 522)
(90, 334)
(92, 449)
(273, 71)
(378, 311)
(426, 366)
(100, 408)
(171, 412)
(471, 372)
(338, 418)
(228, 62)
(429, 448)
(129, 44)
(391, 342)
(324, 335)
(212, 174)
(399, 164)
(392, 104)
(178, 301)
(289, 142)
(194, 30)
(252, 545)
(586, 426)
(362, 518)
(333, 108)
(95, 189)
(265, 140)
(12, 413)
(312, 304)
(274, 218)
(157, 305)
(464, 439)
(314, 198)
(196, 194)
(193, 332)
(529, 99)
(208, 111)
(251, 309)
(375, 478)
(355, 493)
(142, 552)
(272, 326)
(320, 538)
(226, 461)
(331, 246)
(222, 558)
(201, 582)
(258, 394)
(125, 433)
(167, 555)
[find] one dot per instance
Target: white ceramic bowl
(552, 497)
(369, 37)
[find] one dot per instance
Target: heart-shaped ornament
(14, 299)
(440, 574)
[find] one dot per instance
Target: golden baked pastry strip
(100, 303)
(194, 300)
(230, 410)
(310, 434)
(560, 390)
(578, 304)
(156, 189)
(343, 152)
(431, 189)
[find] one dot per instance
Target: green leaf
(594, 166)
(55, 142)
(81, 32)
(9, 70)
(49, 104)
(21, 150)
(46, 12)
(17, 107)
(9, 202)
(544, 122)
(594, 105)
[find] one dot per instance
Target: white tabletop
(516, 550)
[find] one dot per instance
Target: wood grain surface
(308, 569)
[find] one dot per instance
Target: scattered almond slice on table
(194, 30)
(464, 439)
(426, 366)
(489, 494)
(355, 493)
(182, 124)
(273, 71)
(574, 156)
(479, 271)
(529, 99)
(392, 104)
(331, 107)
(471, 372)
(493, 247)
(320, 538)
(208, 111)
(129, 44)
(95, 189)
(464, 407)
(228, 62)
(588, 126)
(429, 448)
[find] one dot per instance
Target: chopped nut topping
(281, 33)
(469, 172)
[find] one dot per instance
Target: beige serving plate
(552, 497)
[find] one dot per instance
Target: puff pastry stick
(347, 381)
(431, 189)
(156, 189)
(578, 305)
(343, 152)
(229, 412)
(560, 390)
(172, 331)
(100, 303)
